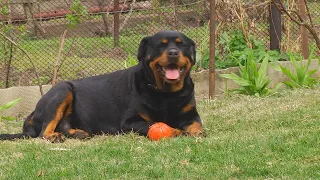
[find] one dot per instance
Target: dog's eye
(182, 44)
(161, 45)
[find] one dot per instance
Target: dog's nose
(173, 53)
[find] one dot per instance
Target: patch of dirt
(115, 53)
(22, 78)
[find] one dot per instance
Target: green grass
(248, 138)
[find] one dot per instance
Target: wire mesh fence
(100, 37)
(84, 38)
(291, 36)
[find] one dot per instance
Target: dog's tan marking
(153, 65)
(176, 132)
(30, 121)
(187, 108)
(164, 41)
(178, 40)
(145, 117)
(194, 129)
(78, 133)
(63, 110)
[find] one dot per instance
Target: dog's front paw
(195, 129)
(175, 132)
(55, 137)
(78, 134)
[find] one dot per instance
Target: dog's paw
(175, 132)
(78, 134)
(195, 129)
(55, 137)
(198, 133)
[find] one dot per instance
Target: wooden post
(175, 11)
(275, 27)
(212, 50)
(104, 17)
(116, 25)
(303, 31)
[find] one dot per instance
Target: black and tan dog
(157, 89)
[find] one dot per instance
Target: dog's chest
(162, 109)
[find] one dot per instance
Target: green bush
(234, 51)
(252, 80)
(301, 76)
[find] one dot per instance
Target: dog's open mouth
(172, 72)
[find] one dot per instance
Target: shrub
(301, 76)
(252, 80)
(233, 50)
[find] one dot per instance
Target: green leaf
(262, 73)
(288, 73)
(310, 73)
(8, 118)
(291, 84)
(9, 104)
(275, 66)
(237, 79)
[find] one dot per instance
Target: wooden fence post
(116, 25)
(212, 50)
(303, 31)
(275, 27)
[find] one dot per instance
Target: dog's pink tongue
(172, 73)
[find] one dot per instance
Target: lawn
(277, 137)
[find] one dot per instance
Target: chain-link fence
(83, 38)
(100, 37)
(291, 35)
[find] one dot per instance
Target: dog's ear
(142, 50)
(193, 53)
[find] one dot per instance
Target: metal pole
(303, 31)
(212, 50)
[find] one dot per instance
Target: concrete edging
(201, 79)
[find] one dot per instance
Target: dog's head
(167, 57)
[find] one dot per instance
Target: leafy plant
(252, 80)
(236, 50)
(203, 57)
(301, 76)
(7, 106)
(78, 11)
(130, 62)
(43, 79)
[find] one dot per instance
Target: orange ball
(158, 131)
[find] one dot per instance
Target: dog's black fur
(157, 89)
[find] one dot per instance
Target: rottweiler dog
(158, 89)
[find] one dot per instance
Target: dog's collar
(153, 87)
(149, 84)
